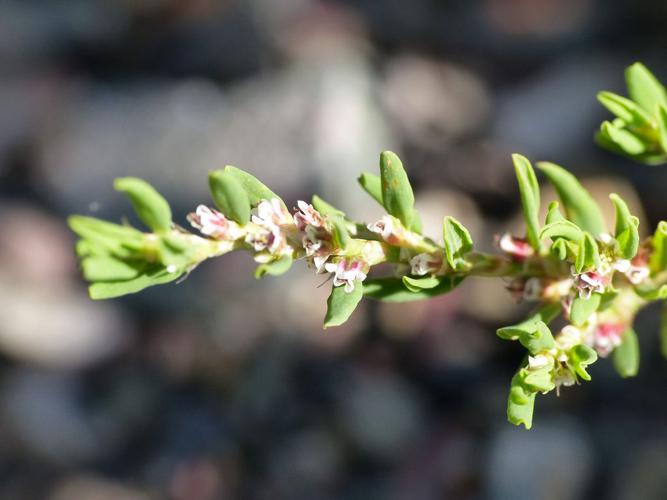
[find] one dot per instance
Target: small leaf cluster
(639, 130)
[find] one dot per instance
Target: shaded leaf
(644, 88)
(372, 184)
(457, 243)
(397, 196)
(583, 308)
(150, 206)
(530, 198)
(341, 304)
(229, 196)
(626, 355)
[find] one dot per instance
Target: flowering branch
(570, 266)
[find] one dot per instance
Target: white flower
(306, 215)
(384, 227)
(425, 263)
(212, 223)
(347, 271)
(532, 289)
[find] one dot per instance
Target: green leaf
(648, 292)
(626, 231)
(372, 184)
(157, 275)
(658, 259)
(521, 403)
(419, 284)
(554, 214)
(229, 196)
(101, 237)
(340, 233)
(559, 249)
(583, 308)
(107, 268)
(530, 198)
(625, 140)
(588, 256)
(626, 355)
(255, 190)
(150, 206)
(662, 126)
(457, 243)
(562, 229)
(394, 290)
(341, 304)
(539, 380)
(580, 207)
(625, 109)
(644, 88)
(325, 208)
(545, 314)
(274, 268)
(397, 196)
(581, 356)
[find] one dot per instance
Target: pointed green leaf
(580, 207)
(658, 259)
(394, 290)
(397, 196)
(457, 243)
(530, 198)
(372, 184)
(626, 355)
(644, 88)
(583, 308)
(342, 304)
(626, 231)
(229, 196)
(150, 206)
(626, 141)
(419, 284)
(625, 109)
(554, 214)
(255, 190)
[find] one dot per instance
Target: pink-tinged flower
(531, 289)
(212, 223)
(392, 231)
(517, 248)
(425, 263)
(606, 337)
(591, 282)
(318, 248)
(347, 271)
(306, 215)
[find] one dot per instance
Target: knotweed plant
(570, 265)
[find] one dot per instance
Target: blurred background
(227, 388)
